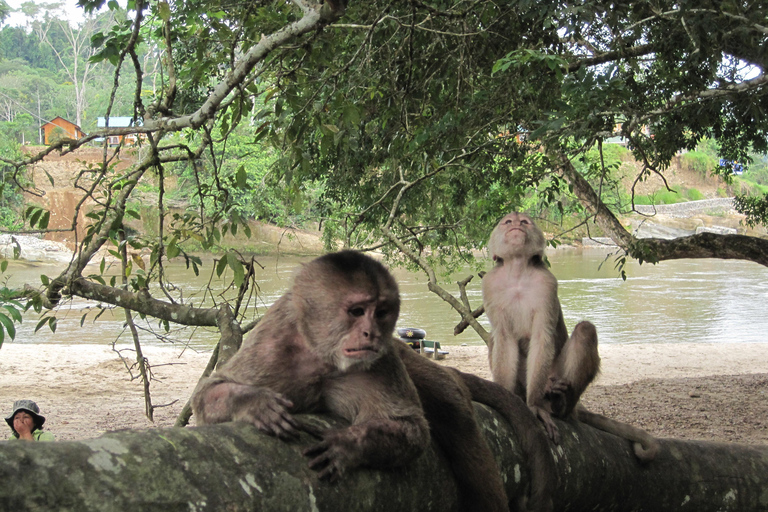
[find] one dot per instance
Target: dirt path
(688, 391)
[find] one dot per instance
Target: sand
(689, 391)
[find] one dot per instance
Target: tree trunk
(701, 245)
(233, 467)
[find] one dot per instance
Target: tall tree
(5, 10)
(71, 45)
(438, 97)
(424, 120)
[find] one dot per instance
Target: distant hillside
(62, 196)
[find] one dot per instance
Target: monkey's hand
(330, 457)
(268, 411)
(546, 419)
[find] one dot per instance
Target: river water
(674, 301)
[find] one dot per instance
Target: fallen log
(233, 467)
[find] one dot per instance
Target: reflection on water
(674, 301)
(704, 300)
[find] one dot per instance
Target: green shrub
(662, 197)
(667, 197)
(699, 162)
(694, 194)
(644, 200)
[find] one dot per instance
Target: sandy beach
(687, 391)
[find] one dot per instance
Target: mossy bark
(235, 468)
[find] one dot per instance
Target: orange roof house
(59, 128)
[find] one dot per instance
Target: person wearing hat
(27, 423)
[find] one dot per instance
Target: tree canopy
(406, 126)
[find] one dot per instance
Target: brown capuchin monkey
(327, 346)
(531, 353)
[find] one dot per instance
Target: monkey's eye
(523, 221)
(357, 311)
(508, 221)
(381, 313)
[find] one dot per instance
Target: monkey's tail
(646, 446)
(534, 442)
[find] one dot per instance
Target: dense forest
(43, 67)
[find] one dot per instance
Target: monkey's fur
(531, 353)
(327, 346)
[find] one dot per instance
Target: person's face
(23, 422)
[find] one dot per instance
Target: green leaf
(41, 323)
(221, 265)
(172, 250)
(331, 128)
(164, 11)
(14, 312)
(35, 217)
(8, 324)
(43, 223)
(237, 268)
(241, 177)
(351, 115)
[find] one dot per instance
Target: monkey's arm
(379, 443)
(505, 356)
(542, 351)
(219, 400)
(388, 424)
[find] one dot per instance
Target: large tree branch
(702, 245)
(623, 53)
(709, 245)
(234, 467)
(589, 198)
(315, 16)
(111, 221)
(709, 95)
(146, 304)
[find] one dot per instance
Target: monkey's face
(516, 235)
(369, 321)
(348, 305)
